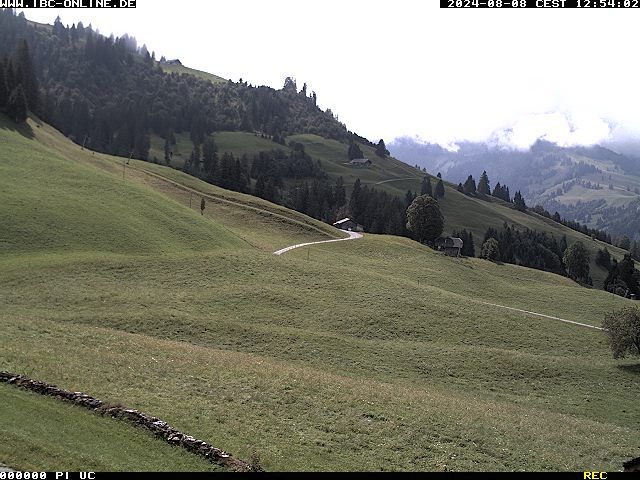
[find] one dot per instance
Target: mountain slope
(110, 95)
(376, 354)
(40, 433)
(55, 205)
(395, 177)
(594, 185)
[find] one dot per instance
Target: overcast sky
(407, 67)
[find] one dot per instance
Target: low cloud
(563, 129)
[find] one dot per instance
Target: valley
(416, 372)
(167, 245)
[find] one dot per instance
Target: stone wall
(153, 424)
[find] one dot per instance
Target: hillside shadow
(635, 369)
(23, 129)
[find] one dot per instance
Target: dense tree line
(110, 94)
(529, 248)
(623, 278)
(483, 188)
(19, 91)
(426, 188)
(577, 226)
(502, 192)
(297, 181)
(378, 211)
(623, 219)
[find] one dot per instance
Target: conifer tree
(381, 149)
(563, 244)
(4, 90)
(209, 156)
(17, 105)
(469, 247)
(195, 159)
(26, 75)
(483, 184)
(409, 198)
(518, 201)
(469, 187)
(355, 202)
(603, 258)
(340, 195)
(167, 151)
(440, 189)
(9, 75)
(426, 188)
(354, 151)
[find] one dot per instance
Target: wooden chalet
(451, 246)
(346, 224)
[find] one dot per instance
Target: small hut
(360, 162)
(451, 246)
(346, 224)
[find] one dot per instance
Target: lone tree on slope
(202, 205)
(576, 259)
(490, 250)
(381, 149)
(623, 329)
(424, 219)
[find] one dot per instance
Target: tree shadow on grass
(23, 129)
(631, 368)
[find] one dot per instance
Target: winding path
(356, 235)
(543, 315)
(352, 236)
(395, 180)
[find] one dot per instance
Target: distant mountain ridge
(111, 95)
(593, 185)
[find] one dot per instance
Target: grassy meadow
(389, 174)
(69, 438)
(375, 354)
(181, 69)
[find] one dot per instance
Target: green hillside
(53, 204)
(375, 354)
(592, 185)
(391, 175)
(181, 69)
(67, 438)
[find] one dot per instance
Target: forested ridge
(111, 94)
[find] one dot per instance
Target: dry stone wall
(153, 424)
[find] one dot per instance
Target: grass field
(68, 438)
(460, 211)
(376, 354)
(181, 69)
